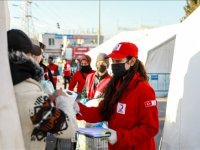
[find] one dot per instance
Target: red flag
(150, 103)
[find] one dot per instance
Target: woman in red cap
(129, 103)
(79, 77)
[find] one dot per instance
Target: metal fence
(160, 83)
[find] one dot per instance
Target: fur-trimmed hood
(24, 67)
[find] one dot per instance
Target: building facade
(56, 44)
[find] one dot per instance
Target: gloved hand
(76, 108)
(113, 137)
(83, 101)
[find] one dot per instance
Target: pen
(106, 132)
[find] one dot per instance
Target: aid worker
(54, 69)
(97, 81)
(78, 79)
(66, 72)
(95, 85)
(129, 104)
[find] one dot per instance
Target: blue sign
(154, 76)
(60, 36)
(69, 36)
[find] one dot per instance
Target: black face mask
(119, 69)
(101, 68)
(86, 69)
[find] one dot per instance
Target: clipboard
(95, 132)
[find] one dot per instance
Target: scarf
(23, 67)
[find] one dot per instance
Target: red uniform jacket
(78, 78)
(135, 118)
(92, 91)
(54, 71)
(67, 70)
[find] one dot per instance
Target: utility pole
(27, 18)
(99, 23)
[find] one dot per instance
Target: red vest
(92, 91)
(54, 70)
(67, 70)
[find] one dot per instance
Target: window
(51, 41)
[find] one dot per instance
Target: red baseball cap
(123, 50)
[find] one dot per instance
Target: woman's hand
(56, 94)
(113, 137)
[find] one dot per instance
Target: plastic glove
(113, 137)
(76, 108)
(83, 100)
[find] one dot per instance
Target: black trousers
(66, 80)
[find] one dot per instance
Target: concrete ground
(162, 102)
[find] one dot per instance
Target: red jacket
(67, 70)
(135, 118)
(54, 71)
(92, 91)
(78, 78)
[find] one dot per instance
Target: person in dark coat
(47, 72)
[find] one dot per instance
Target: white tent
(146, 40)
(158, 65)
(159, 59)
(156, 47)
(181, 129)
(10, 128)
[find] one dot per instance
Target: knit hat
(123, 50)
(19, 41)
(101, 57)
(85, 57)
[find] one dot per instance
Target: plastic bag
(47, 87)
(65, 103)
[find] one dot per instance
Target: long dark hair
(111, 96)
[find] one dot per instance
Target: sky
(83, 16)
